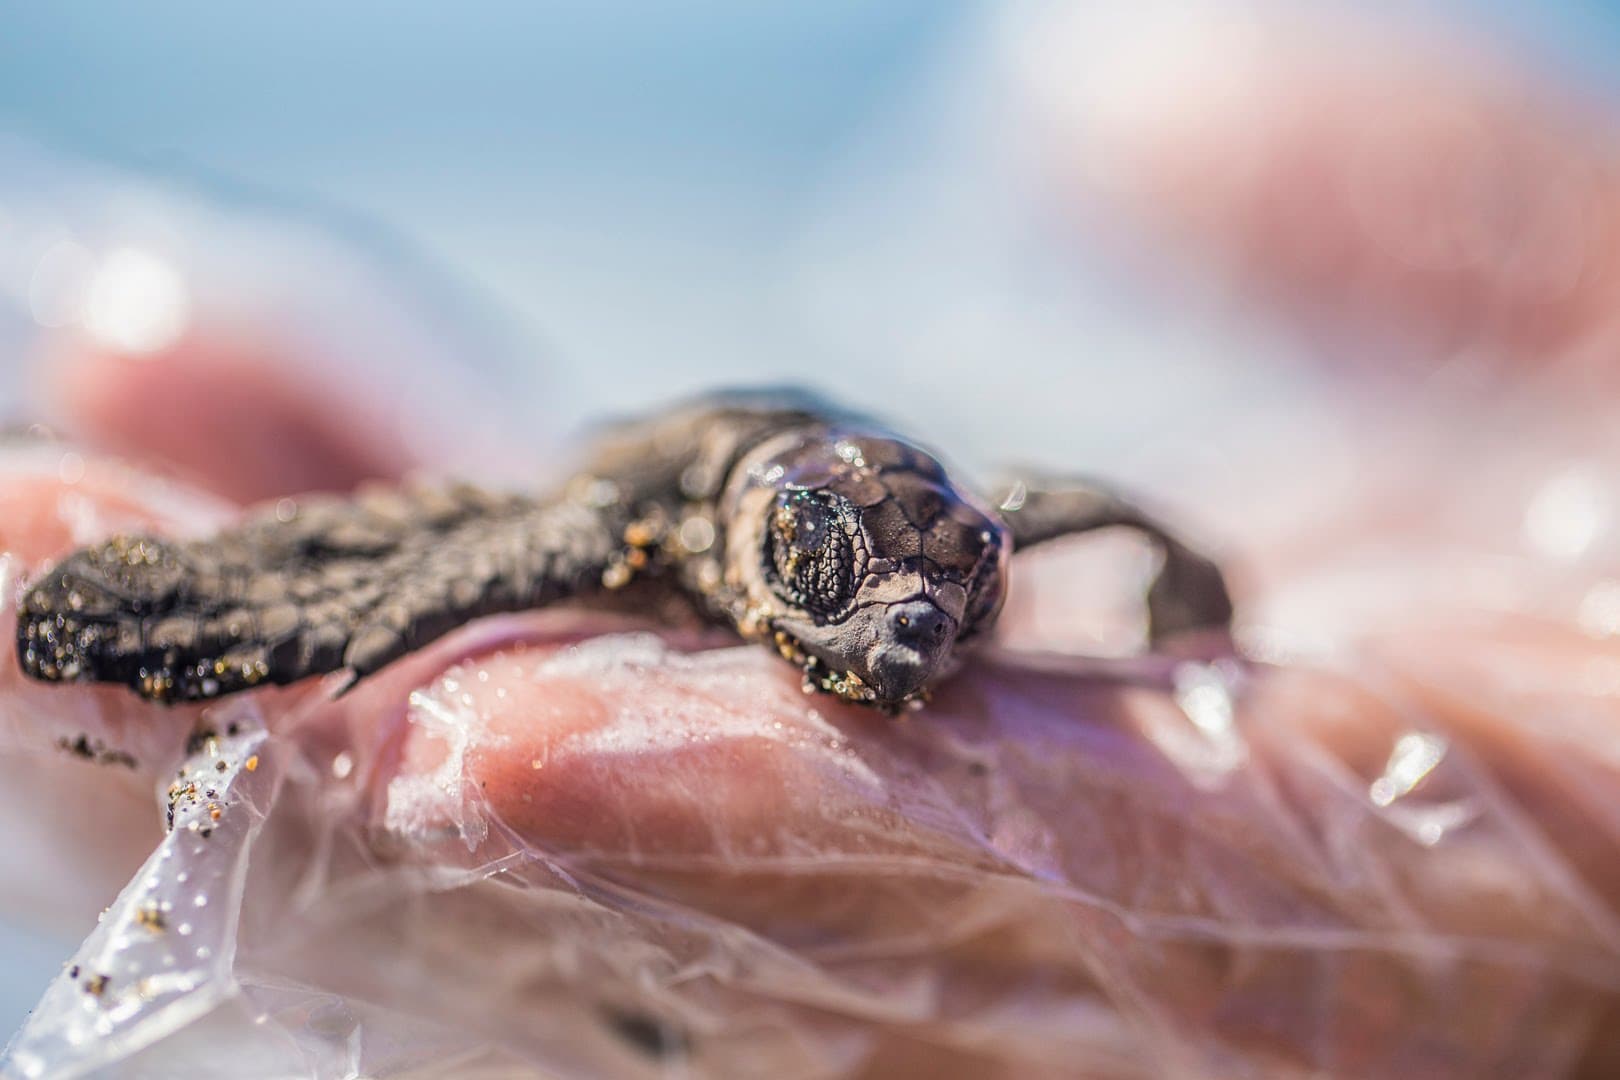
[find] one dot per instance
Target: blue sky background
(589, 167)
(634, 186)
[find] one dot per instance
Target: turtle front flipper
(1189, 591)
(306, 589)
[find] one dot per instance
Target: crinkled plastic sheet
(1122, 868)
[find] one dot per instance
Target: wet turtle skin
(839, 544)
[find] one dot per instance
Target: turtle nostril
(918, 624)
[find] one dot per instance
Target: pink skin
(702, 776)
(286, 434)
(1356, 176)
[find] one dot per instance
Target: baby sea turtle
(814, 530)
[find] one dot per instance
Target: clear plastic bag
(1060, 867)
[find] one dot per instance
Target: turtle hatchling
(818, 532)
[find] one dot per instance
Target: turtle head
(862, 561)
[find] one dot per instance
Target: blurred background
(549, 212)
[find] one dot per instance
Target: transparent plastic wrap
(562, 845)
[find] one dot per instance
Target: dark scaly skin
(320, 586)
(846, 548)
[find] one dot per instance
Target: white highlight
(137, 303)
(1600, 610)
(1415, 756)
(1567, 513)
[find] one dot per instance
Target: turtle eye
(810, 552)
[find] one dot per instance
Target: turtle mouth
(849, 685)
(913, 643)
(898, 673)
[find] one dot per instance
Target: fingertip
(53, 498)
(1405, 181)
(622, 747)
(58, 496)
(233, 408)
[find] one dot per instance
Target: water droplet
(1414, 756)
(56, 292)
(71, 468)
(697, 534)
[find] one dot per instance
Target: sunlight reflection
(1567, 513)
(1203, 696)
(1415, 755)
(1214, 747)
(136, 303)
(1600, 610)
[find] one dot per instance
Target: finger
(77, 763)
(710, 780)
(1102, 835)
(54, 498)
(232, 409)
(1395, 179)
